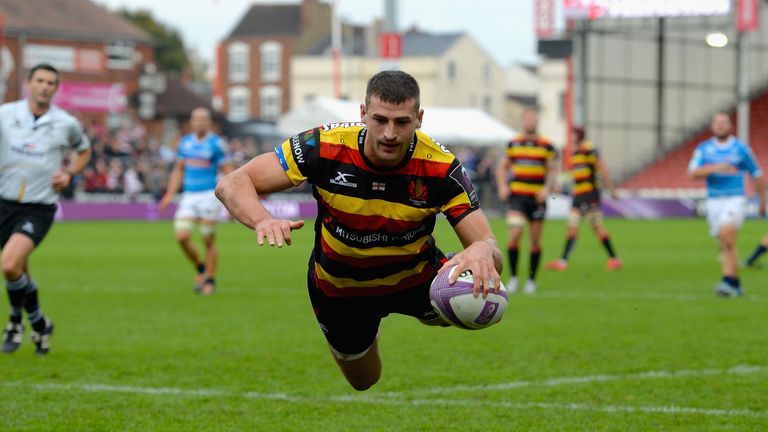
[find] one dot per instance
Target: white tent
(450, 126)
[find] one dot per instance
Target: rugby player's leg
(183, 232)
(515, 221)
(208, 234)
(595, 217)
(363, 372)
(15, 255)
(574, 220)
(536, 228)
(729, 263)
(761, 249)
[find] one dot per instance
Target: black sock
(760, 250)
(732, 281)
(17, 290)
(32, 306)
(512, 252)
(201, 268)
(608, 247)
(211, 281)
(568, 247)
(535, 257)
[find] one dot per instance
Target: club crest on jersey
(344, 179)
(418, 192)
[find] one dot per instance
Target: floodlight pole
(742, 88)
(660, 86)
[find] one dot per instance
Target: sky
(504, 28)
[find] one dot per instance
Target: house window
(239, 103)
(451, 70)
(487, 72)
(271, 61)
(239, 62)
(120, 55)
(271, 102)
(487, 104)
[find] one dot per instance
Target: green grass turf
(135, 349)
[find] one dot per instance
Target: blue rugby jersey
(202, 158)
(732, 152)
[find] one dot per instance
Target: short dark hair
(393, 87)
(43, 66)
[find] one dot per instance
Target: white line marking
(559, 381)
(653, 296)
(610, 409)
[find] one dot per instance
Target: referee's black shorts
(30, 219)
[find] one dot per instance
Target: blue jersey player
(722, 161)
(201, 155)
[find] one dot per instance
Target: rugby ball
(456, 305)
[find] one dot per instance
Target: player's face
(530, 120)
(200, 121)
(390, 129)
(42, 86)
(721, 126)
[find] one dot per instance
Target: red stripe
(421, 167)
(409, 282)
(371, 223)
(365, 262)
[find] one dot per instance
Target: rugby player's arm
(174, 182)
(481, 254)
(502, 173)
(606, 176)
(64, 177)
(705, 171)
(760, 190)
(239, 192)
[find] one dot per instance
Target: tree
(170, 53)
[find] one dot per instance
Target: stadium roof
(67, 19)
(269, 20)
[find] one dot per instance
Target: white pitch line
(653, 296)
(588, 379)
(373, 400)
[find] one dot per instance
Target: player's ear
(420, 116)
(362, 112)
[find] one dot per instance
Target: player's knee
(11, 267)
(595, 219)
(207, 230)
(183, 228)
(574, 219)
(515, 221)
(182, 236)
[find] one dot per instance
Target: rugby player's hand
(503, 193)
(61, 180)
(478, 258)
(541, 196)
(761, 208)
(724, 168)
(165, 202)
(614, 195)
(276, 231)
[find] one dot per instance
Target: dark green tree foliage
(170, 53)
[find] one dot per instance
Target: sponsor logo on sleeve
(460, 176)
(297, 150)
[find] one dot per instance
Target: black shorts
(350, 324)
(528, 206)
(588, 202)
(32, 220)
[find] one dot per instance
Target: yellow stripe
(353, 252)
(460, 199)
(581, 172)
(22, 190)
(525, 187)
(541, 152)
(373, 283)
(294, 174)
(375, 207)
(529, 169)
(583, 187)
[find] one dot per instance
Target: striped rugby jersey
(373, 232)
(584, 169)
(528, 158)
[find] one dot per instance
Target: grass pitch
(646, 348)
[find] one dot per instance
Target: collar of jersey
(361, 149)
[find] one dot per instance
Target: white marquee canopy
(450, 126)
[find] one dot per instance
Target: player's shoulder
(11, 109)
(61, 115)
(544, 141)
(430, 149)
